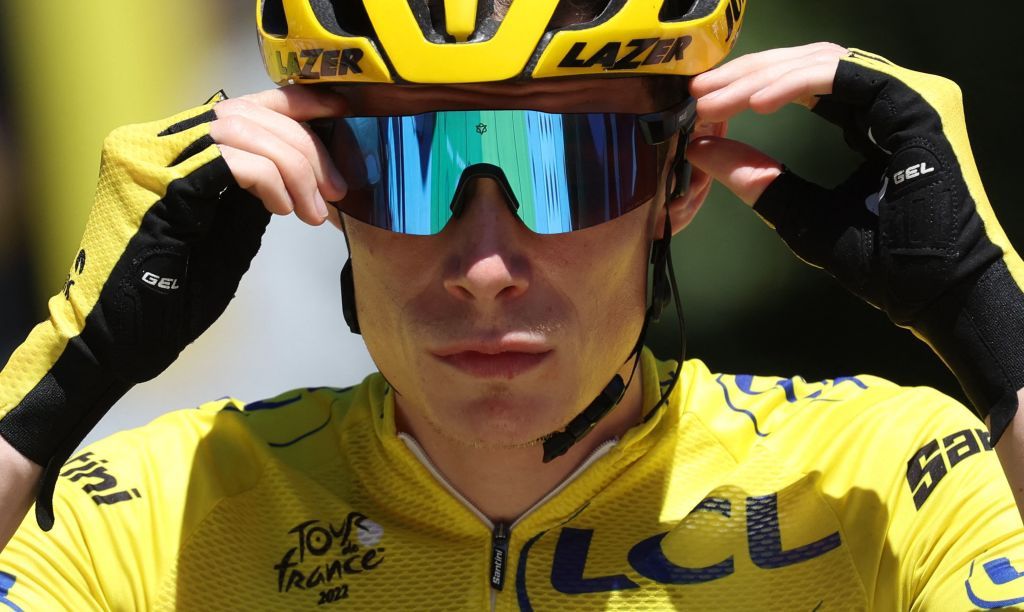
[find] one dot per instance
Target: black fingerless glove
(168, 239)
(912, 231)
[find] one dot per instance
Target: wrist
(978, 334)
(19, 479)
(17, 468)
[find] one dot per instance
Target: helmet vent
(674, 10)
(677, 10)
(572, 14)
(274, 21)
(343, 17)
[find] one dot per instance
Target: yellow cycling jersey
(742, 493)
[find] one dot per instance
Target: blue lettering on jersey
(764, 540)
(728, 402)
(522, 598)
(648, 559)
(6, 583)
(745, 384)
(1000, 571)
(270, 405)
(303, 436)
(570, 561)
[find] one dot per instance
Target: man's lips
(501, 360)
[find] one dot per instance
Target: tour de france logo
(325, 557)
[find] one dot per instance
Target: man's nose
(488, 261)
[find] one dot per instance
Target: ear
(684, 208)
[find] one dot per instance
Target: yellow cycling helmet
(469, 41)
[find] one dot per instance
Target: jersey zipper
(501, 532)
(499, 555)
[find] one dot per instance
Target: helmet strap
(348, 288)
(348, 297)
(664, 289)
(662, 283)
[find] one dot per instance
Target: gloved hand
(911, 231)
(167, 241)
(169, 237)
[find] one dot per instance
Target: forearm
(19, 479)
(1010, 450)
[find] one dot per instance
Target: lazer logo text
(628, 55)
(318, 63)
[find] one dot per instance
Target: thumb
(744, 170)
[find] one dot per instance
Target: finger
(743, 170)
(803, 86)
(291, 166)
(722, 104)
(301, 102)
(712, 80)
(821, 226)
(824, 227)
(298, 136)
(682, 210)
(259, 176)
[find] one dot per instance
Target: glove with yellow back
(911, 231)
(168, 239)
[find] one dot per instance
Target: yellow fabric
(806, 505)
(135, 171)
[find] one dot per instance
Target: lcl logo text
(764, 544)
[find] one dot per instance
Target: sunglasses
(560, 172)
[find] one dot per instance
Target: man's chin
(499, 425)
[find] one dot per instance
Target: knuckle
(230, 127)
(266, 169)
(296, 167)
(227, 107)
(274, 196)
(244, 104)
(313, 147)
(831, 50)
(310, 135)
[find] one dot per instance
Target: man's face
(492, 334)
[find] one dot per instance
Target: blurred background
(72, 71)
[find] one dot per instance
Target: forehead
(618, 95)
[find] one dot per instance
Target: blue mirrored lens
(560, 172)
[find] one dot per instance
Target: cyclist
(519, 448)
